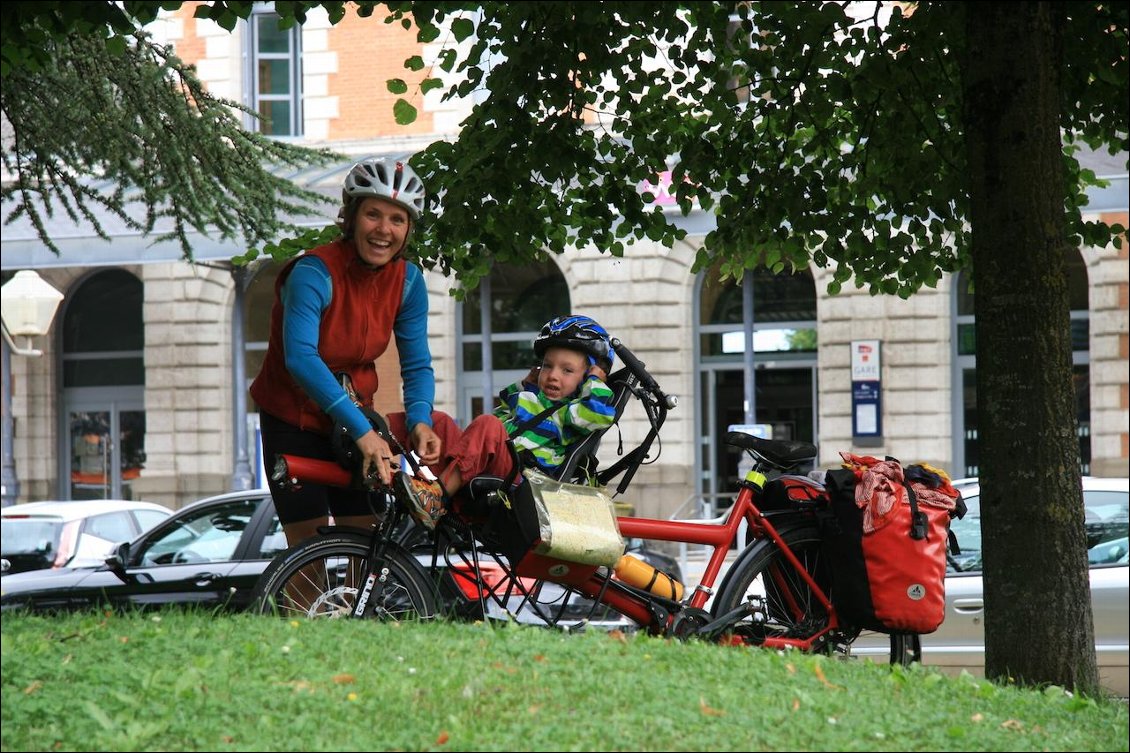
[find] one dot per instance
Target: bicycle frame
(640, 606)
(654, 613)
(768, 559)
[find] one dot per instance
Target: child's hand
(598, 372)
(532, 377)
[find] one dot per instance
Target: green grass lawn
(177, 681)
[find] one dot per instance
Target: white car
(41, 535)
(960, 641)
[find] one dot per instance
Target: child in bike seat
(555, 406)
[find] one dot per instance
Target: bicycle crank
(688, 623)
(754, 607)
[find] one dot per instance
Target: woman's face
(380, 229)
(561, 372)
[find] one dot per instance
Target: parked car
(959, 644)
(209, 553)
(40, 535)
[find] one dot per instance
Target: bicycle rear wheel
(322, 576)
(790, 607)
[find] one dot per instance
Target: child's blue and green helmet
(580, 333)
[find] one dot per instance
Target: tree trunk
(1038, 623)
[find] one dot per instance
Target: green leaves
(404, 112)
(805, 131)
(462, 29)
(179, 158)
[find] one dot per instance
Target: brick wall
(369, 52)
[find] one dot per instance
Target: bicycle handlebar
(637, 367)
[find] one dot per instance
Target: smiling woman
(336, 309)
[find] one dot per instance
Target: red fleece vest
(355, 331)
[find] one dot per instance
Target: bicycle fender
(750, 550)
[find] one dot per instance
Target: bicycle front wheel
(789, 607)
(322, 577)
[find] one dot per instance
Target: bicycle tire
(325, 571)
(761, 570)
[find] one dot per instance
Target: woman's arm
(305, 296)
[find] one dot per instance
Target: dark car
(209, 553)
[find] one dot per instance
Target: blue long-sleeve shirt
(305, 295)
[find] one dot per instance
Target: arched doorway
(258, 302)
(784, 354)
(103, 380)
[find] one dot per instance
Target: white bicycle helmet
(394, 181)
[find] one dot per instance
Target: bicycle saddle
(780, 453)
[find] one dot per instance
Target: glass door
(785, 403)
(102, 421)
(107, 449)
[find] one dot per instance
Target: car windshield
(968, 533)
(1107, 528)
(1108, 524)
(29, 535)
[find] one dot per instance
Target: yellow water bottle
(636, 572)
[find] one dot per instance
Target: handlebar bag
(552, 529)
(886, 534)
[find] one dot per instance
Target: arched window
(784, 314)
(520, 300)
(258, 302)
(965, 364)
(103, 374)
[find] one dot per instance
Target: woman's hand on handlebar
(377, 458)
(427, 444)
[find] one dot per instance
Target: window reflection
(784, 314)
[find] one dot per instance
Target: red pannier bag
(886, 533)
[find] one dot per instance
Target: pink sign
(661, 190)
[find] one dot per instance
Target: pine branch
(136, 135)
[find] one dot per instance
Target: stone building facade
(649, 298)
